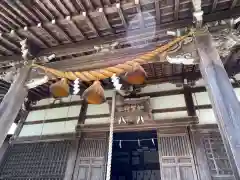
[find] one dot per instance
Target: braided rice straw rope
(100, 74)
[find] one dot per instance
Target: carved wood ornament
(132, 110)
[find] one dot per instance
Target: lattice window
(35, 161)
(218, 162)
(91, 160)
(176, 158)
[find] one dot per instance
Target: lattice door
(35, 161)
(176, 159)
(218, 162)
(90, 163)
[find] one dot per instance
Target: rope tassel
(137, 76)
(60, 89)
(99, 74)
(94, 94)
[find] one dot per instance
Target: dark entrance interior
(135, 156)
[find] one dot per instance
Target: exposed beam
(80, 4)
(158, 13)
(89, 44)
(9, 19)
(45, 9)
(27, 10)
(16, 18)
(10, 44)
(120, 12)
(214, 5)
(13, 5)
(60, 35)
(176, 9)
(28, 33)
(41, 16)
(63, 9)
(53, 8)
(70, 6)
(90, 24)
(139, 13)
(102, 13)
(234, 3)
(100, 60)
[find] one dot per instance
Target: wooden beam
(139, 13)
(23, 16)
(222, 96)
(120, 12)
(27, 10)
(234, 3)
(16, 18)
(158, 13)
(214, 5)
(12, 102)
(44, 9)
(89, 44)
(176, 9)
(41, 16)
(90, 24)
(189, 101)
(53, 8)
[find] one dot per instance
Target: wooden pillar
(189, 100)
(12, 102)
(223, 98)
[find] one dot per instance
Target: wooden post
(12, 102)
(223, 98)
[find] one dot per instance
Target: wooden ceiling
(74, 30)
(59, 25)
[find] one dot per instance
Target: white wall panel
(159, 87)
(31, 130)
(206, 116)
(237, 91)
(98, 109)
(74, 111)
(36, 115)
(108, 93)
(103, 120)
(59, 127)
(56, 113)
(43, 102)
(201, 98)
(169, 115)
(168, 102)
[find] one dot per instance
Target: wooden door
(90, 164)
(176, 159)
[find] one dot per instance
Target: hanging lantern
(60, 88)
(137, 76)
(94, 94)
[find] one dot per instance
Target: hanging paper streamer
(120, 144)
(115, 81)
(140, 119)
(76, 86)
(153, 142)
(121, 119)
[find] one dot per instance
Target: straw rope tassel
(108, 72)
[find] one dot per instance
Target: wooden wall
(166, 100)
